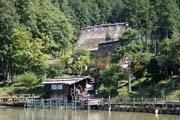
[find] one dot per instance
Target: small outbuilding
(69, 88)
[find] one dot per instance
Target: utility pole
(129, 75)
(127, 65)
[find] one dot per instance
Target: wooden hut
(69, 88)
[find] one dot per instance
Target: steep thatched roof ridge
(92, 35)
(105, 25)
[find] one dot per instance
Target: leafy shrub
(27, 79)
(155, 93)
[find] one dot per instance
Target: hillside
(35, 31)
(168, 88)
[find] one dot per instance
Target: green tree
(112, 76)
(169, 51)
(79, 65)
(105, 10)
(80, 59)
(46, 22)
(168, 18)
(7, 21)
(56, 69)
(132, 45)
(27, 79)
(117, 14)
(28, 53)
(67, 9)
(133, 49)
(178, 3)
(176, 52)
(81, 10)
(137, 13)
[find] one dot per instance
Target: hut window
(53, 87)
(89, 86)
(56, 87)
(59, 87)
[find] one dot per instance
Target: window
(53, 87)
(59, 87)
(90, 86)
(56, 87)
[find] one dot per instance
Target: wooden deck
(128, 105)
(18, 100)
(149, 105)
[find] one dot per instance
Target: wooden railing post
(142, 101)
(33, 102)
(154, 102)
(134, 102)
(50, 103)
(42, 103)
(66, 104)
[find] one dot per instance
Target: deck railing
(125, 102)
(53, 103)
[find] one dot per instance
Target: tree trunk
(6, 71)
(4, 78)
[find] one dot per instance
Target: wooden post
(33, 103)
(59, 103)
(50, 103)
(102, 102)
(142, 102)
(74, 91)
(166, 102)
(25, 103)
(88, 103)
(125, 102)
(109, 102)
(154, 102)
(173, 85)
(74, 96)
(71, 104)
(134, 99)
(75, 104)
(42, 103)
(66, 104)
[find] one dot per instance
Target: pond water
(57, 114)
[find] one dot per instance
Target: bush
(155, 93)
(27, 79)
(56, 69)
(123, 92)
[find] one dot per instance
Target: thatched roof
(68, 80)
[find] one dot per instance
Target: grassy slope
(168, 87)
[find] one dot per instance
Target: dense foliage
(28, 80)
(31, 32)
(72, 64)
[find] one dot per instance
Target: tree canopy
(32, 31)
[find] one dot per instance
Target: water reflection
(57, 114)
